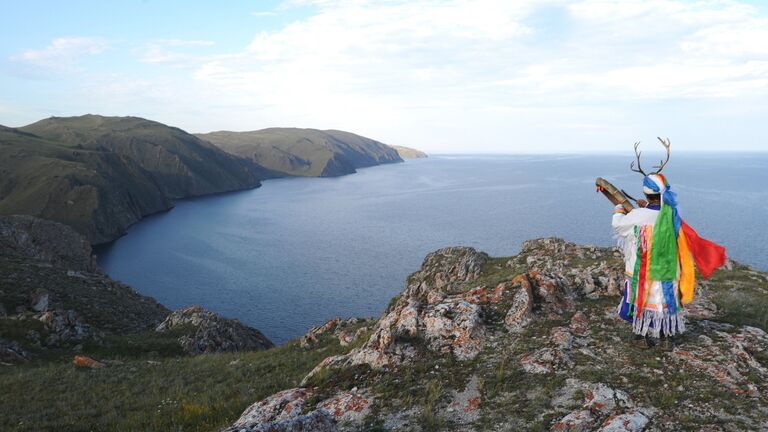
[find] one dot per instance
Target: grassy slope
(182, 164)
(154, 390)
(101, 174)
(305, 152)
(208, 392)
(96, 192)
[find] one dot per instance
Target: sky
(454, 76)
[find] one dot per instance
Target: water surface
(298, 251)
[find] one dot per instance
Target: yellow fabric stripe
(687, 275)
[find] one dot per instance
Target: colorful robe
(660, 250)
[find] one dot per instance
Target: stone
(350, 407)
(287, 404)
(576, 421)
(212, 333)
(64, 326)
(315, 421)
(311, 336)
(579, 324)
(464, 406)
(85, 361)
(520, 313)
(11, 352)
(38, 300)
(632, 421)
(539, 362)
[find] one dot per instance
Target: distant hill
(100, 174)
(409, 153)
(183, 164)
(305, 152)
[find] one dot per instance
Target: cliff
(305, 152)
(409, 153)
(101, 174)
(473, 343)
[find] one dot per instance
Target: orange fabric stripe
(687, 275)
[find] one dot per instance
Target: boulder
(64, 326)
(12, 352)
(85, 361)
(211, 333)
(287, 404)
(38, 300)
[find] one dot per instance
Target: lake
(299, 251)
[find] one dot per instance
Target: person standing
(659, 250)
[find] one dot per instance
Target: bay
(298, 251)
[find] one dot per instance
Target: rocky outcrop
(533, 342)
(45, 241)
(286, 411)
(54, 297)
(64, 326)
(210, 333)
(11, 352)
(346, 331)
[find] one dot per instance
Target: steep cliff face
(532, 342)
(182, 164)
(305, 152)
(98, 193)
(101, 174)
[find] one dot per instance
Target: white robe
(654, 309)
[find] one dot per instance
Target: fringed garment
(660, 250)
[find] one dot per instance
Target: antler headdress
(658, 167)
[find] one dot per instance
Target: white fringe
(669, 324)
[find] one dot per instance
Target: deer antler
(661, 165)
(637, 155)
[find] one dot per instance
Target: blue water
(298, 251)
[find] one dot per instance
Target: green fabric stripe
(663, 259)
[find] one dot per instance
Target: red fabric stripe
(641, 281)
(707, 255)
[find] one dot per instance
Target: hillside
(101, 174)
(473, 343)
(99, 193)
(305, 152)
(409, 153)
(182, 164)
(57, 306)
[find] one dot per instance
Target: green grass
(162, 394)
(741, 297)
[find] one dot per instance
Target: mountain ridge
(305, 151)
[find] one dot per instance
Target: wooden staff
(613, 194)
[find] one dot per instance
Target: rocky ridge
(54, 298)
(213, 333)
(305, 152)
(530, 342)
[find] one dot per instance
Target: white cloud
(264, 13)
(63, 51)
(374, 63)
(473, 75)
(172, 51)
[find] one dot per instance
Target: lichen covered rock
(211, 333)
